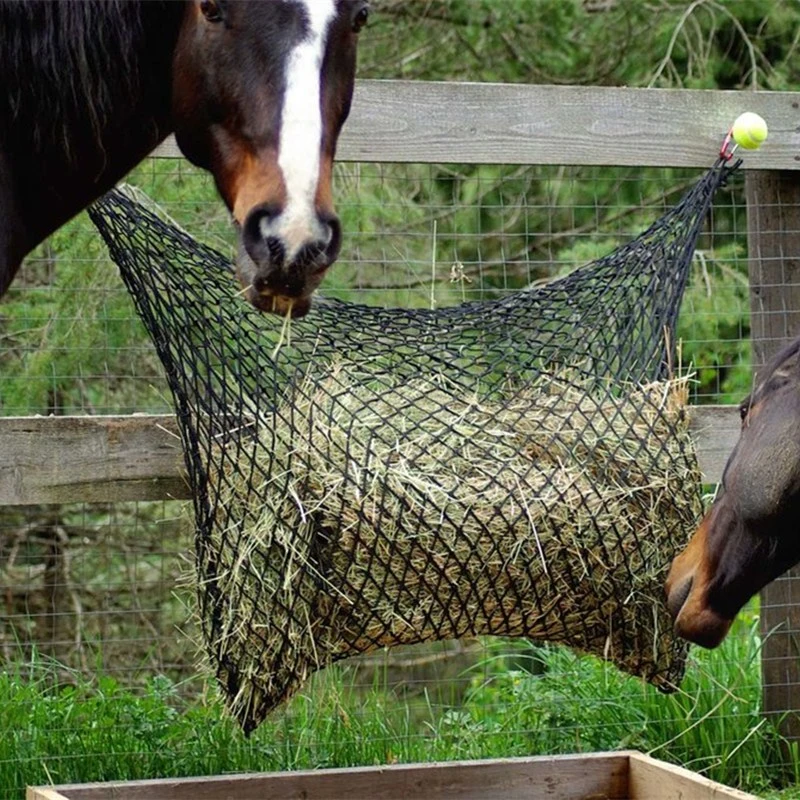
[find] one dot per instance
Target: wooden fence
(91, 459)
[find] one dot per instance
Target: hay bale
(397, 512)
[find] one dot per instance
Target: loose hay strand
(286, 330)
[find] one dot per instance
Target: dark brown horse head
(261, 89)
(751, 534)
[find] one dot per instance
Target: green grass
(712, 725)
(98, 730)
(792, 793)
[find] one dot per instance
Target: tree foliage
(724, 44)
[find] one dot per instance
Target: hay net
(374, 477)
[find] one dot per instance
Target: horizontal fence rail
(486, 123)
(120, 458)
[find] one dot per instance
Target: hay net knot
(374, 477)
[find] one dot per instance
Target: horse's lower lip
(697, 623)
(707, 629)
(281, 305)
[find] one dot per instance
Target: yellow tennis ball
(749, 130)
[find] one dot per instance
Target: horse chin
(283, 306)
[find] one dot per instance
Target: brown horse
(751, 534)
(256, 91)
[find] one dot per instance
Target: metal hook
(726, 151)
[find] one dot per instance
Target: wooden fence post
(773, 235)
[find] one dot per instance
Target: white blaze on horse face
(301, 134)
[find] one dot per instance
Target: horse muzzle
(279, 284)
(694, 620)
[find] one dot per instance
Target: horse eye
(744, 410)
(360, 19)
(211, 10)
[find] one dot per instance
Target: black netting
(368, 477)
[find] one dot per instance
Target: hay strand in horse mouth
(404, 512)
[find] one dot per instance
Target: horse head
(750, 535)
(260, 92)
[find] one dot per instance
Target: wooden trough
(597, 776)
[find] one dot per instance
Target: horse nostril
(678, 596)
(334, 243)
(261, 247)
(262, 283)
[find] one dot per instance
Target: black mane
(56, 54)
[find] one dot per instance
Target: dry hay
(398, 513)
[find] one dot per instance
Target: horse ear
(789, 368)
(787, 362)
(783, 366)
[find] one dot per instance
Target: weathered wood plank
(89, 459)
(773, 243)
(110, 459)
(483, 123)
(657, 780)
(552, 777)
(612, 776)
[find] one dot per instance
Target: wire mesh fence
(93, 588)
(101, 590)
